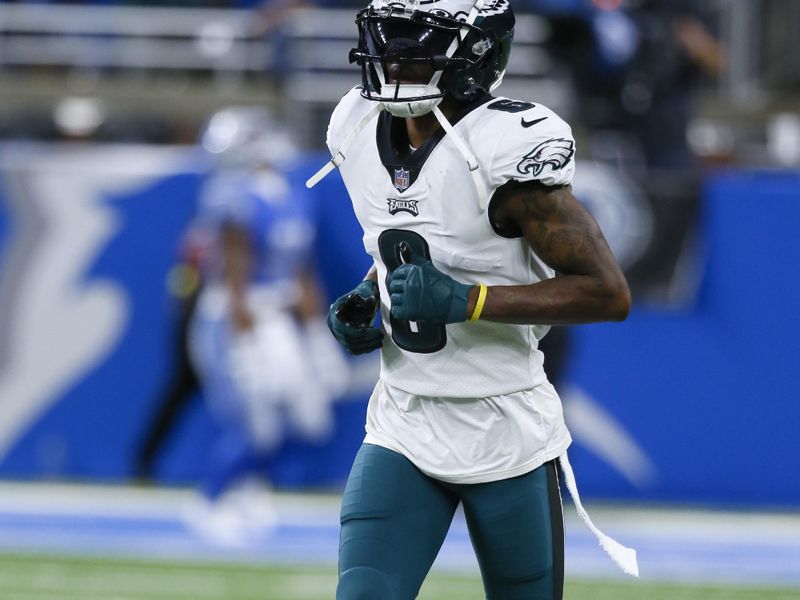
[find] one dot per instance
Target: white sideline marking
(141, 502)
(699, 546)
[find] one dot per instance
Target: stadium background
(685, 416)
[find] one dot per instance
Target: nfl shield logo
(402, 179)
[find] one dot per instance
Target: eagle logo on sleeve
(556, 152)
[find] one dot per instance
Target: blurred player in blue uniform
(267, 365)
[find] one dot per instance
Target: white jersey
(429, 194)
(428, 198)
(470, 440)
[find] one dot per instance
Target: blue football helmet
(248, 137)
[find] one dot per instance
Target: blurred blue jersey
(280, 221)
(247, 375)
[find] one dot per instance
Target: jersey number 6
(413, 336)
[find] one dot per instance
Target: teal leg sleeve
(363, 583)
(517, 530)
(394, 520)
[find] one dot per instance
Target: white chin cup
(411, 107)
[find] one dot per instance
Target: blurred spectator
(636, 65)
(675, 52)
(676, 48)
(266, 362)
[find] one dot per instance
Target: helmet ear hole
(481, 75)
(461, 86)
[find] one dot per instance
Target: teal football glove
(350, 319)
(421, 292)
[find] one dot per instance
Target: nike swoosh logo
(525, 123)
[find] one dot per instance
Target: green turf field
(58, 578)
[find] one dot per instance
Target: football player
(465, 203)
(266, 362)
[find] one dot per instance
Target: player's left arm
(310, 303)
(590, 286)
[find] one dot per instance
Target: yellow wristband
(476, 314)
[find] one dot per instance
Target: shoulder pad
(531, 143)
(345, 116)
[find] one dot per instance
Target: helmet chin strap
(340, 155)
(462, 146)
(472, 162)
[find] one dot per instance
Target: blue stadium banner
(695, 404)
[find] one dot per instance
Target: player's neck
(420, 129)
